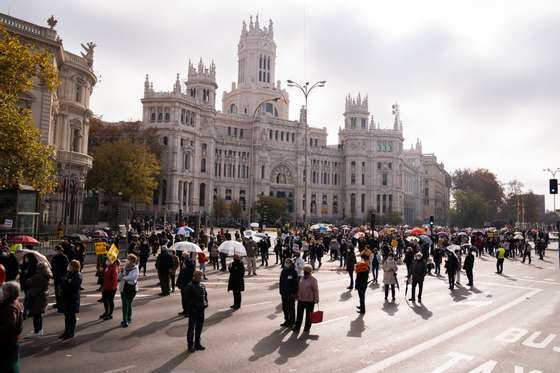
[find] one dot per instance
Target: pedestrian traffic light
(553, 183)
(118, 212)
(431, 220)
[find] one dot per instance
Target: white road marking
(123, 369)
(549, 279)
(415, 350)
(332, 320)
(245, 306)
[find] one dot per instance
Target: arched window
(233, 109)
(280, 179)
(76, 139)
(275, 112)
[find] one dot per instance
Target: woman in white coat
(390, 275)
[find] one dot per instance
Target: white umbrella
(20, 253)
(412, 239)
(186, 246)
(254, 225)
(462, 234)
(518, 237)
(232, 247)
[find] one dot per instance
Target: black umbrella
(76, 237)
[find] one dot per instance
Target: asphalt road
(507, 323)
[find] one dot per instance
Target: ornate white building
(251, 148)
(62, 117)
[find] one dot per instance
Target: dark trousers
(108, 297)
(351, 274)
(37, 323)
(215, 262)
(469, 276)
(172, 276)
(127, 299)
(9, 357)
(196, 321)
(451, 280)
(375, 272)
(184, 298)
(438, 267)
(143, 265)
(525, 255)
(499, 265)
(57, 297)
(342, 258)
(237, 298)
(362, 296)
(164, 282)
(420, 287)
(223, 262)
(264, 259)
(306, 307)
(69, 321)
(387, 290)
(289, 308)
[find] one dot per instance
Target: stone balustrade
(27, 28)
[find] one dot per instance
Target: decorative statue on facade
(89, 47)
(52, 22)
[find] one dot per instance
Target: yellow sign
(100, 248)
(394, 243)
(15, 247)
(112, 254)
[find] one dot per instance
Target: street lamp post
(252, 164)
(553, 173)
(306, 90)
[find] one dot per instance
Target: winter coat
(452, 263)
(350, 260)
(250, 247)
(389, 271)
(186, 273)
(236, 280)
(11, 323)
(289, 281)
(70, 291)
(11, 265)
(308, 290)
(196, 297)
(362, 275)
(129, 277)
(38, 289)
(469, 262)
(164, 262)
(111, 277)
(419, 270)
(59, 265)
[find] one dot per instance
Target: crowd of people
(360, 251)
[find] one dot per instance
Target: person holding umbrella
(418, 273)
(236, 283)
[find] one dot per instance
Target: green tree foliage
(24, 159)
(235, 209)
(469, 209)
(272, 209)
(220, 209)
(124, 167)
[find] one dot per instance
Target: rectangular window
(363, 179)
(167, 116)
(229, 131)
(390, 203)
(235, 132)
(276, 135)
(282, 136)
(152, 115)
(352, 203)
(378, 209)
(363, 203)
(78, 93)
(203, 165)
(262, 171)
(293, 137)
(384, 205)
(241, 132)
(270, 134)
(228, 195)
(384, 180)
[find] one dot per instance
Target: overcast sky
(477, 81)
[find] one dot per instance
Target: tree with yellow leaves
(24, 159)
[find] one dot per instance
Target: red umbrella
(417, 231)
(24, 240)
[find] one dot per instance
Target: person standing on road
(236, 282)
(362, 275)
(164, 263)
(110, 286)
(11, 326)
(468, 266)
(59, 266)
(144, 255)
(251, 249)
(128, 286)
(263, 249)
(174, 268)
(37, 286)
(438, 255)
(459, 266)
(390, 275)
(288, 287)
(185, 277)
(451, 265)
(527, 252)
(375, 262)
(350, 263)
(197, 302)
(500, 256)
(70, 294)
(308, 295)
(418, 273)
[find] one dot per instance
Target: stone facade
(251, 148)
(63, 117)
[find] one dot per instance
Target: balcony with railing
(26, 28)
(74, 158)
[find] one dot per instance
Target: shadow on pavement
(293, 347)
(420, 310)
(153, 327)
(217, 317)
(169, 365)
(390, 308)
(269, 344)
(357, 327)
(345, 296)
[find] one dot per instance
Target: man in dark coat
(70, 295)
(418, 272)
(236, 282)
(468, 266)
(59, 266)
(10, 263)
(69, 250)
(451, 266)
(185, 277)
(197, 301)
(288, 286)
(164, 263)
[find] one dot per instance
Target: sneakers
(35, 335)
(124, 324)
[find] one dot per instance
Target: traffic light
(118, 212)
(431, 220)
(553, 184)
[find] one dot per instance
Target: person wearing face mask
(129, 286)
(307, 296)
(197, 302)
(236, 282)
(70, 294)
(110, 285)
(289, 281)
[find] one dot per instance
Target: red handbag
(316, 316)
